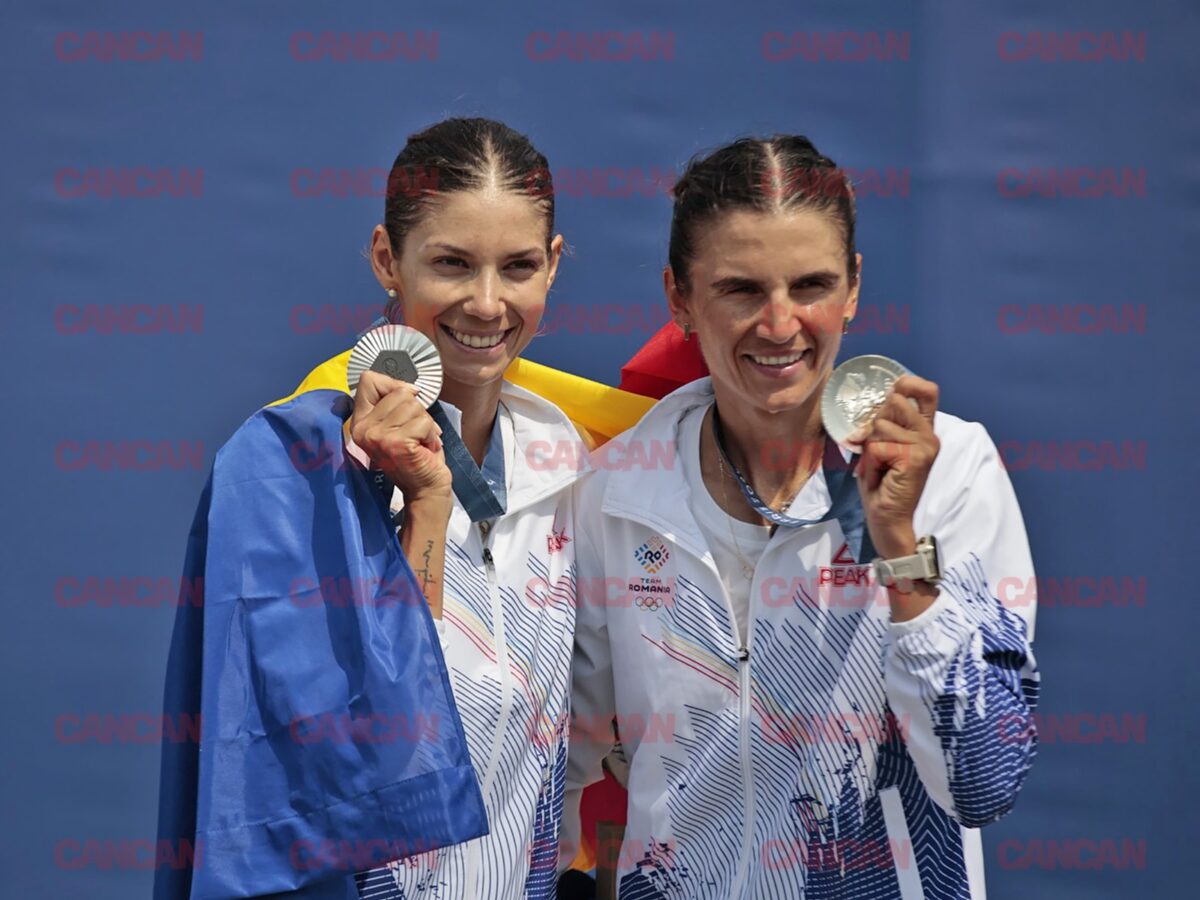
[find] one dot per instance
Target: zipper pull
(487, 556)
(743, 654)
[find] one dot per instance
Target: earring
(391, 292)
(846, 325)
(687, 331)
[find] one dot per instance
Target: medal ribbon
(844, 504)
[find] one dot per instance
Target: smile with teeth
(778, 360)
(476, 341)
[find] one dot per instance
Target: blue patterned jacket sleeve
(961, 678)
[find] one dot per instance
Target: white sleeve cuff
(899, 629)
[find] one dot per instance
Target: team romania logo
(653, 555)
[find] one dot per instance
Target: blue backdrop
(176, 254)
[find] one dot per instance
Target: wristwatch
(923, 565)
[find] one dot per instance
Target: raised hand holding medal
(396, 374)
(873, 404)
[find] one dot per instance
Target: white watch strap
(921, 565)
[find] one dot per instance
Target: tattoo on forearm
(424, 570)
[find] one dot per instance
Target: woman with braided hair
(809, 725)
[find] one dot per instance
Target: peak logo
(844, 570)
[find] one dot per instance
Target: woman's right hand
(397, 432)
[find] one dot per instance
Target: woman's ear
(852, 299)
(556, 249)
(383, 262)
(677, 299)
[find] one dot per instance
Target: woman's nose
(779, 323)
(485, 302)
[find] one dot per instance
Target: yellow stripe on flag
(602, 411)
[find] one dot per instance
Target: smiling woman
(467, 260)
(315, 609)
(771, 614)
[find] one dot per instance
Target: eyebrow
(451, 248)
(531, 251)
(733, 281)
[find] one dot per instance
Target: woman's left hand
(899, 448)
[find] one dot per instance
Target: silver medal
(855, 390)
(402, 353)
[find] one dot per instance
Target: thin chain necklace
(747, 568)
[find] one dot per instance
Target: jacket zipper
(744, 705)
(744, 688)
(506, 693)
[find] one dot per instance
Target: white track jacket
(836, 754)
(508, 622)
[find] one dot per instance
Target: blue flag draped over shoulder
(329, 740)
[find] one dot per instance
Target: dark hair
(765, 174)
(462, 155)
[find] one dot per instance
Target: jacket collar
(659, 497)
(538, 424)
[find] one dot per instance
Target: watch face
(932, 543)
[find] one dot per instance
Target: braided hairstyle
(774, 174)
(462, 155)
